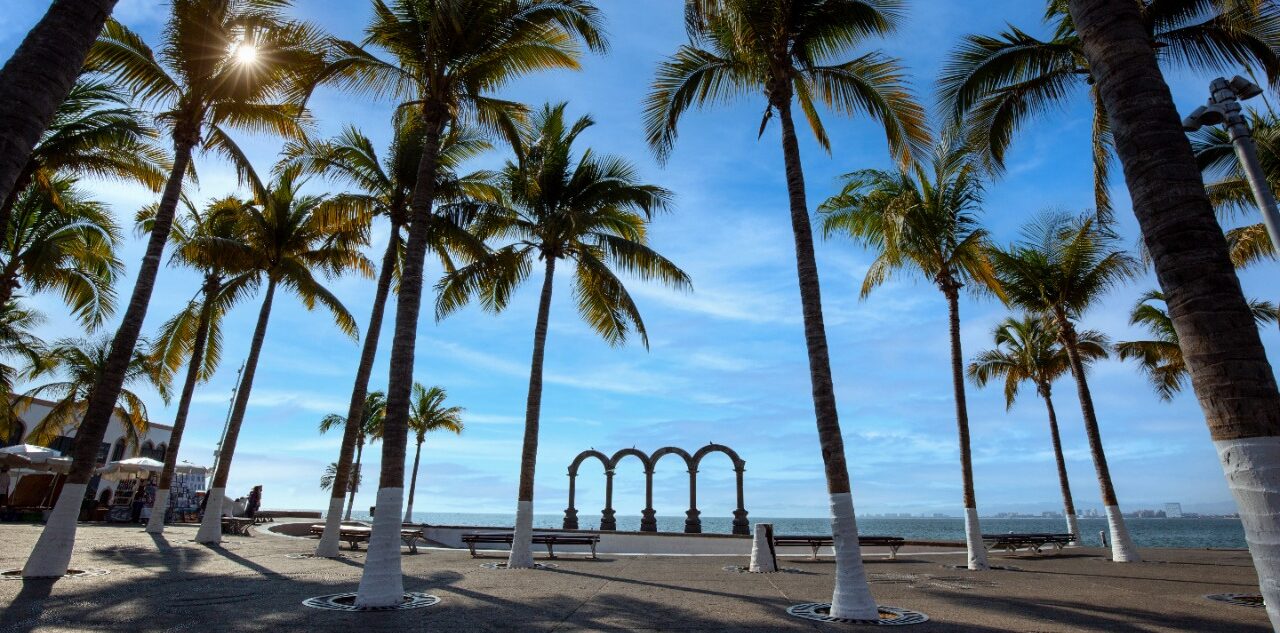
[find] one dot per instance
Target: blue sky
(726, 362)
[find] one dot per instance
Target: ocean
(1189, 533)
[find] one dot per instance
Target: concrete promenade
(251, 584)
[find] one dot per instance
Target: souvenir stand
(185, 492)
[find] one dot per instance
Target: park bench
(817, 541)
(1032, 541)
(237, 525)
(354, 535)
(550, 540)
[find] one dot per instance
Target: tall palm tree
(40, 75)
(924, 222)
(798, 50)
(199, 86)
(288, 237)
(428, 415)
(385, 188)
(373, 412)
(1230, 372)
(1161, 357)
(993, 85)
(21, 353)
(94, 133)
(1028, 349)
(1228, 188)
(591, 211)
(1060, 268)
(61, 240)
(446, 57)
(208, 242)
(79, 363)
(330, 478)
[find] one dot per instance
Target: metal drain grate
(88, 572)
(889, 616)
(1239, 599)
(742, 569)
(347, 602)
(504, 566)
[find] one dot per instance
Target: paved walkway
(250, 584)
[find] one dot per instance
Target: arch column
(740, 524)
(571, 513)
(607, 522)
(692, 524)
(648, 517)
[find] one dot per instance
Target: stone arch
(162, 450)
(740, 524)
(571, 513)
(117, 452)
(648, 520)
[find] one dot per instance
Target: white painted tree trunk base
(210, 532)
(155, 525)
(382, 584)
(1252, 467)
(52, 554)
(328, 545)
(1073, 527)
(973, 541)
(1122, 548)
(763, 558)
(852, 596)
(521, 556)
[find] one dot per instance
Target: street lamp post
(1224, 109)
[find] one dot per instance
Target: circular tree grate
(889, 616)
(504, 566)
(16, 574)
(352, 556)
(347, 602)
(743, 569)
(1239, 599)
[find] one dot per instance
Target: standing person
(4, 486)
(255, 500)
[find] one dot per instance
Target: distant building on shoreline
(1173, 510)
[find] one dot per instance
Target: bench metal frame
(550, 540)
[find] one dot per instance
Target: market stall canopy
(191, 469)
(13, 460)
(36, 454)
(132, 467)
(37, 458)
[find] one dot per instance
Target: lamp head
(1244, 88)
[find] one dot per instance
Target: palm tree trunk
(155, 524)
(382, 584)
(211, 524)
(522, 544)
(1068, 504)
(972, 528)
(1122, 548)
(328, 546)
(52, 552)
(1229, 369)
(39, 77)
(353, 486)
(413, 483)
(852, 596)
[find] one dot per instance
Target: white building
(114, 447)
(1173, 510)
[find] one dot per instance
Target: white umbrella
(11, 460)
(126, 468)
(37, 454)
(37, 458)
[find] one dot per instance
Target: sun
(246, 53)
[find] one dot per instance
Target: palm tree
(992, 86)
(373, 412)
(330, 477)
(591, 211)
(93, 133)
(1161, 358)
(924, 222)
(80, 362)
(740, 46)
(1229, 368)
(427, 415)
(1229, 189)
(21, 353)
(207, 242)
(40, 75)
(1060, 268)
(202, 83)
(385, 188)
(1028, 349)
(287, 238)
(446, 59)
(60, 240)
